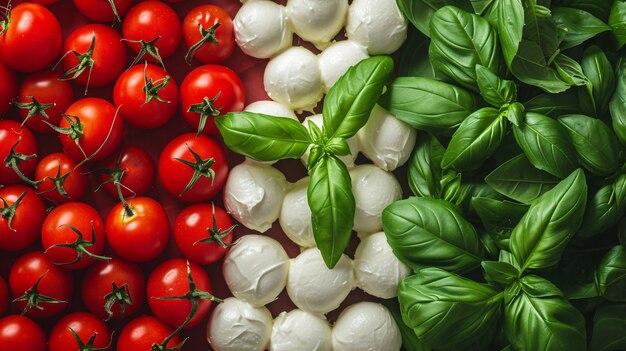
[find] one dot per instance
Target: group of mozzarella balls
(295, 76)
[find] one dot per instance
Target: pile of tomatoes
(59, 143)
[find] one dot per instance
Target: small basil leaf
(410, 342)
(498, 216)
(617, 21)
(493, 89)
(599, 71)
(452, 188)
(579, 25)
(315, 155)
(569, 70)
(315, 131)
(576, 274)
(516, 114)
(539, 27)
(425, 166)
(338, 147)
(414, 60)
(612, 272)
(506, 256)
(609, 328)
(617, 105)
(481, 6)
(507, 16)
(553, 105)
(530, 67)
(605, 208)
(500, 273)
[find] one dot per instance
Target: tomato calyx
(34, 108)
(206, 108)
(152, 90)
(119, 295)
(163, 346)
(89, 345)
(58, 180)
(201, 168)
(34, 298)
(208, 36)
(4, 24)
(149, 48)
(116, 15)
(13, 160)
(80, 246)
(84, 60)
(8, 211)
(215, 234)
(115, 177)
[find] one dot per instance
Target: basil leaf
(605, 208)
(420, 12)
(493, 89)
(617, 105)
(481, 6)
(553, 105)
(263, 137)
(410, 342)
(539, 27)
(597, 8)
(453, 189)
(530, 67)
(576, 274)
(609, 328)
(507, 16)
(414, 60)
(516, 114)
(350, 101)
(612, 274)
(429, 232)
(332, 207)
(569, 70)
(617, 21)
(601, 77)
(498, 216)
(500, 273)
(424, 170)
(579, 25)
(539, 239)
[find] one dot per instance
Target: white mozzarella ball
(378, 271)
(302, 331)
(373, 190)
(337, 58)
(253, 195)
(271, 108)
(386, 140)
(315, 288)
(262, 29)
(294, 79)
(352, 142)
(295, 215)
(255, 269)
(317, 21)
(366, 326)
(378, 25)
(236, 325)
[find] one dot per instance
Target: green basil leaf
(262, 137)
(481, 6)
(612, 274)
(576, 274)
(498, 216)
(530, 67)
(601, 76)
(539, 27)
(579, 25)
(493, 89)
(617, 105)
(452, 188)
(429, 232)
(569, 70)
(609, 328)
(507, 16)
(410, 342)
(414, 60)
(500, 273)
(617, 21)
(553, 105)
(605, 208)
(516, 114)
(424, 170)
(597, 8)
(420, 12)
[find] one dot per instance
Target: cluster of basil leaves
(518, 170)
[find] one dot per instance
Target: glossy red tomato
(62, 180)
(20, 333)
(146, 95)
(4, 296)
(202, 231)
(98, 127)
(34, 276)
(210, 91)
(215, 42)
(21, 217)
(127, 295)
(142, 332)
(25, 151)
(141, 236)
(32, 40)
(135, 172)
(78, 225)
(201, 155)
(169, 279)
(43, 93)
(101, 10)
(79, 331)
(8, 88)
(108, 55)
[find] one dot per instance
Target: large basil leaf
(495, 90)
(410, 342)
(539, 27)
(598, 8)
(569, 70)
(553, 105)
(605, 208)
(429, 232)
(531, 67)
(612, 274)
(601, 86)
(424, 170)
(617, 106)
(498, 216)
(507, 16)
(617, 21)
(539, 239)
(578, 24)
(414, 60)
(609, 328)
(447, 311)
(420, 12)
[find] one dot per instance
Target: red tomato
(44, 93)
(8, 88)
(79, 229)
(208, 33)
(210, 91)
(101, 10)
(117, 281)
(21, 217)
(61, 180)
(187, 155)
(98, 129)
(146, 96)
(79, 331)
(108, 55)
(135, 172)
(20, 333)
(32, 41)
(142, 332)
(34, 277)
(4, 296)
(25, 151)
(141, 236)
(202, 233)
(170, 279)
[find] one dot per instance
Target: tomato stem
(58, 181)
(201, 168)
(80, 246)
(116, 16)
(115, 177)
(89, 345)
(147, 47)
(208, 36)
(8, 212)
(13, 160)
(215, 235)
(151, 90)
(206, 108)
(33, 298)
(84, 60)
(4, 24)
(34, 108)
(119, 295)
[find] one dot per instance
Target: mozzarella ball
(271, 108)
(373, 190)
(378, 25)
(377, 270)
(352, 143)
(337, 58)
(317, 21)
(386, 140)
(366, 326)
(315, 288)
(256, 269)
(262, 29)
(236, 325)
(295, 215)
(253, 195)
(302, 331)
(294, 79)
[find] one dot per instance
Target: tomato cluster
(58, 143)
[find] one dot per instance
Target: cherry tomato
(101, 10)
(20, 333)
(33, 276)
(170, 278)
(4, 296)
(61, 180)
(207, 17)
(21, 217)
(32, 40)
(201, 155)
(202, 231)
(210, 91)
(143, 83)
(12, 134)
(135, 172)
(118, 281)
(97, 127)
(79, 331)
(79, 228)
(141, 236)
(8, 88)
(142, 332)
(43, 93)
(108, 55)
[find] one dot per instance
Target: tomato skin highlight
(27, 221)
(138, 170)
(140, 333)
(21, 333)
(8, 88)
(46, 88)
(100, 10)
(207, 16)
(61, 163)
(85, 326)
(10, 134)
